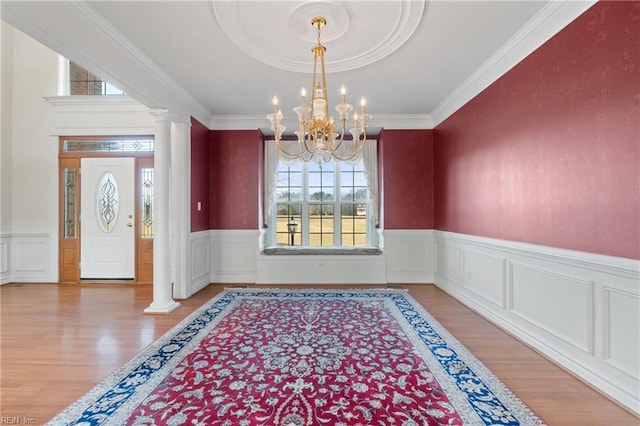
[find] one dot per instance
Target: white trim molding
(100, 115)
(26, 257)
(581, 310)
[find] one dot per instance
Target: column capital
(161, 115)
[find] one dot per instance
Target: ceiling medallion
(277, 32)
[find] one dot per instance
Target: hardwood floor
(59, 340)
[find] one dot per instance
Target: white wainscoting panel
(409, 255)
(557, 303)
(582, 310)
(321, 269)
(4, 259)
(200, 271)
(233, 256)
(448, 262)
(622, 320)
(27, 258)
(484, 275)
(236, 258)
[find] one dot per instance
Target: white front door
(107, 210)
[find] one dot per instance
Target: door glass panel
(107, 201)
(70, 176)
(147, 202)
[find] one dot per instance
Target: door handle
(129, 224)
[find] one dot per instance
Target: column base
(154, 310)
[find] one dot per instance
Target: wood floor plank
(57, 341)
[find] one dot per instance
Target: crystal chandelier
(317, 135)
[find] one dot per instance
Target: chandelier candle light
(317, 138)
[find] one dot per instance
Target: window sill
(321, 251)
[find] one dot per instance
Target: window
(329, 204)
(82, 82)
(109, 145)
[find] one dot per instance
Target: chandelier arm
(336, 147)
(283, 150)
(308, 140)
(353, 154)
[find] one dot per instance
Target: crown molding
(545, 24)
(404, 121)
(387, 121)
(237, 122)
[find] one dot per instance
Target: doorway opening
(106, 209)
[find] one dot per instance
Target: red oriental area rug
(293, 358)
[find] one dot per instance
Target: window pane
(320, 194)
(289, 178)
(324, 167)
(289, 185)
(360, 194)
(82, 82)
(325, 179)
(354, 240)
(321, 224)
(354, 224)
(289, 194)
(353, 179)
(110, 89)
(289, 224)
(321, 182)
(354, 194)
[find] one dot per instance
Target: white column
(181, 209)
(163, 302)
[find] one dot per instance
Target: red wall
(235, 158)
(200, 183)
(406, 158)
(550, 153)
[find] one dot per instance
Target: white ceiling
(414, 61)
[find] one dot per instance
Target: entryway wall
(30, 253)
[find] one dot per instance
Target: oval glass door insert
(107, 201)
